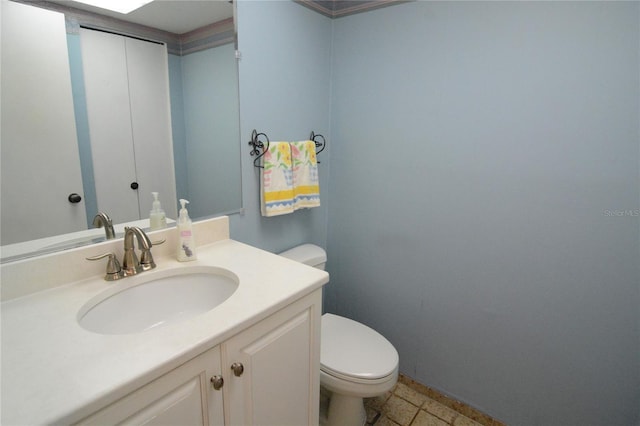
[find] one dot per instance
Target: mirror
(203, 79)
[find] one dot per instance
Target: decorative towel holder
(259, 147)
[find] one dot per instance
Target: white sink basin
(143, 302)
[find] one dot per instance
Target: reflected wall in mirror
(44, 160)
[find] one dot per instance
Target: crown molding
(339, 8)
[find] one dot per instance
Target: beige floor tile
(426, 419)
(384, 421)
(439, 410)
(378, 402)
(405, 404)
(399, 410)
(405, 392)
(465, 421)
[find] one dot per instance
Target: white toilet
(356, 361)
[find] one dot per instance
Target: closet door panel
(148, 72)
(109, 114)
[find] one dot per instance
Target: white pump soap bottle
(186, 243)
(157, 217)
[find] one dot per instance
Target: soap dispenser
(186, 243)
(157, 217)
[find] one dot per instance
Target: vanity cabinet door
(272, 368)
(184, 396)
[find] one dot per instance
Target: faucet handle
(146, 258)
(114, 271)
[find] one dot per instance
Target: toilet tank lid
(309, 254)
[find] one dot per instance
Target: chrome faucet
(102, 219)
(130, 263)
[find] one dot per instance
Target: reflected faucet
(102, 219)
(130, 263)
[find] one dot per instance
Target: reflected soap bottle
(186, 243)
(157, 217)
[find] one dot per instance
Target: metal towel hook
(258, 145)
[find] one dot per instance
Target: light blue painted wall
(204, 117)
(284, 92)
(178, 131)
(210, 90)
(476, 148)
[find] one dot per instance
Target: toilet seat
(359, 380)
(353, 352)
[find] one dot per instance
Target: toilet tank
(309, 254)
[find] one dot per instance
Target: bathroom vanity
(252, 358)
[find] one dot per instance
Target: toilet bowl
(356, 361)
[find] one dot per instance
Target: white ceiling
(175, 16)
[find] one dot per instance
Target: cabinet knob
(237, 368)
(217, 382)
(74, 198)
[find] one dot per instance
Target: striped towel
(276, 180)
(306, 188)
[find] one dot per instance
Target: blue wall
(178, 131)
(482, 153)
(204, 102)
(482, 202)
(284, 92)
(212, 125)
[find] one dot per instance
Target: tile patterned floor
(412, 404)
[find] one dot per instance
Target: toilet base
(346, 397)
(346, 410)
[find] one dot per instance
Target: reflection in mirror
(45, 160)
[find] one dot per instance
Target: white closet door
(148, 70)
(40, 161)
(109, 114)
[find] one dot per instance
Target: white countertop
(54, 371)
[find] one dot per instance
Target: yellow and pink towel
(306, 188)
(289, 179)
(276, 180)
